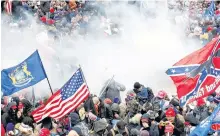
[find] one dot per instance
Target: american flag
(65, 100)
(9, 7)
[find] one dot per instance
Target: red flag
(196, 75)
(9, 7)
(65, 100)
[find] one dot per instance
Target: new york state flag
(198, 74)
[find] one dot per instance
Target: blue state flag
(207, 125)
(25, 74)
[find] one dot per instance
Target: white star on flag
(173, 71)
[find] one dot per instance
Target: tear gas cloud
(143, 52)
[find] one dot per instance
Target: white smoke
(143, 52)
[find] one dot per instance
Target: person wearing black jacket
(11, 115)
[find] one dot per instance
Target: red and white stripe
(57, 108)
(9, 7)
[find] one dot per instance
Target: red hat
(51, 10)
(50, 21)
(209, 28)
(44, 132)
(14, 107)
(43, 19)
(200, 102)
(20, 106)
(161, 94)
(217, 12)
(169, 129)
(170, 112)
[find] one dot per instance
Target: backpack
(157, 104)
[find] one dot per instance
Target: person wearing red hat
(43, 19)
(50, 21)
(172, 119)
(44, 132)
(52, 10)
(201, 112)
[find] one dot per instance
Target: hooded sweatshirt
(76, 122)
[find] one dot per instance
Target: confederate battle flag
(198, 74)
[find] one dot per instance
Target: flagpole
(33, 96)
(45, 73)
(84, 77)
(106, 86)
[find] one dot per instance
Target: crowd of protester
(203, 22)
(75, 17)
(142, 113)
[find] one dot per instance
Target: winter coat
(45, 6)
(112, 91)
(191, 119)
(178, 126)
(153, 129)
(9, 116)
(144, 95)
(157, 103)
(75, 122)
(201, 113)
(89, 106)
(130, 126)
(114, 132)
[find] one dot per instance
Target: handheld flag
(197, 75)
(209, 124)
(65, 100)
(25, 74)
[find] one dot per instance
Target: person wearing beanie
(77, 123)
(143, 94)
(119, 128)
(11, 115)
(111, 90)
(148, 123)
(10, 130)
(174, 119)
